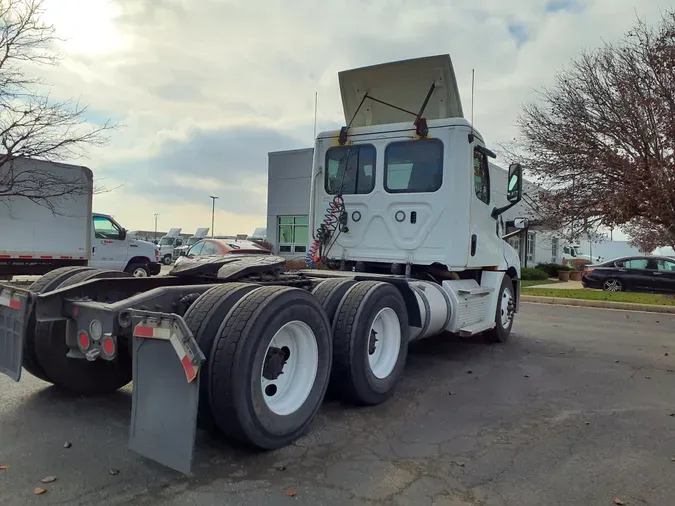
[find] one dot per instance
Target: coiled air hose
(330, 224)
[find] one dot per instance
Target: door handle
(657, 273)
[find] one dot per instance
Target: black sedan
(632, 274)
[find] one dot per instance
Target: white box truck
(413, 237)
(40, 235)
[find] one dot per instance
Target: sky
(203, 90)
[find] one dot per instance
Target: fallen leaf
(665, 354)
(658, 321)
(280, 468)
(113, 472)
(672, 459)
(616, 361)
(669, 370)
(4, 467)
(587, 423)
(451, 393)
(469, 371)
(671, 414)
(39, 490)
(618, 501)
(67, 444)
(527, 376)
(648, 377)
(291, 493)
(48, 479)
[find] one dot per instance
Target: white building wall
(288, 185)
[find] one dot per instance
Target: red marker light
(83, 340)
(108, 346)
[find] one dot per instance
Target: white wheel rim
(384, 343)
(287, 392)
(140, 273)
(506, 315)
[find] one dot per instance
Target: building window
(413, 166)
(555, 243)
(531, 245)
(350, 170)
(481, 176)
(293, 234)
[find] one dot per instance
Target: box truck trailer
(38, 235)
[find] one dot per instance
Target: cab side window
(106, 229)
(481, 176)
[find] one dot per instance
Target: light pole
(156, 214)
(213, 215)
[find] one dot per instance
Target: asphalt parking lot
(577, 410)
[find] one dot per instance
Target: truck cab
(114, 249)
(171, 240)
(410, 201)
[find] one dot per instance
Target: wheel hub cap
(289, 368)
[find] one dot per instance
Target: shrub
(552, 269)
(529, 274)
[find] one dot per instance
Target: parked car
(632, 274)
(214, 247)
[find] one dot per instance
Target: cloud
(205, 89)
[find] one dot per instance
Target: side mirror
(514, 191)
(183, 253)
(123, 234)
(520, 223)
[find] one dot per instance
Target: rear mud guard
(166, 362)
(15, 307)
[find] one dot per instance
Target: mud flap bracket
(166, 362)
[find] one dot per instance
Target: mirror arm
(501, 210)
(514, 233)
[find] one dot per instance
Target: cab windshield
(167, 241)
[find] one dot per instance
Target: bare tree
(601, 140)
(32, 124)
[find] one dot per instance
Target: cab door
(110, 249)
(485, 245)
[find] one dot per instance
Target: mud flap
(15, 307)
(166, 362)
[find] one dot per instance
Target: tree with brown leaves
(32, 124)
(601, 140)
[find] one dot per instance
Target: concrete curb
(604, 304)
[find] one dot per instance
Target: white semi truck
(412, 237)
(167, 243)
(40, 235)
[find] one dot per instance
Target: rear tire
(46, 283)
(329, 293)
(167, 260)
(504, 313)
(204, 318)
(612, 285)
(264, 408)
(365, 372)
(79, 375)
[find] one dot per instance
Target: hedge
(529, 274)
(552, 269)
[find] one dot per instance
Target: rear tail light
(83, 341)
(108, 346)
